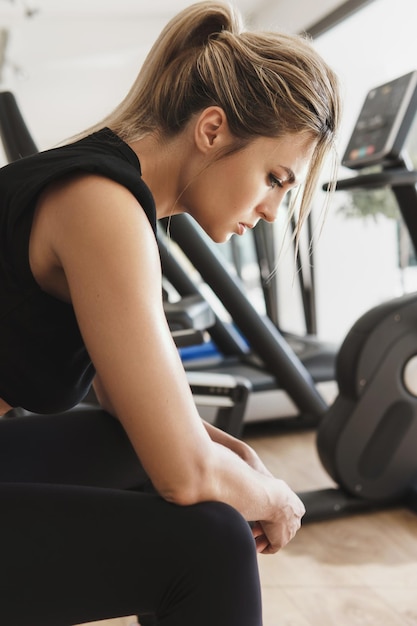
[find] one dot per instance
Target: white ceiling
(70, 61)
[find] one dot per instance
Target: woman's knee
(222, 566)
(222, 532)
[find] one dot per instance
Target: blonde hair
(268, 84)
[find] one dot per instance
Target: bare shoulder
(82, 222)
(91, 200)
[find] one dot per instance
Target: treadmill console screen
(383, 124)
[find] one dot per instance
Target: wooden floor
(359, 570)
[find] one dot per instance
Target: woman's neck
(162, 164)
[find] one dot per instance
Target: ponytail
(268, 84)
(161, 99)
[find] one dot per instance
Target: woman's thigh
(76, 554)
(85, 446)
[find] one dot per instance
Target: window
(357, 258)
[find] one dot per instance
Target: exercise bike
(367, 440)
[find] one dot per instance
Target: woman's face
(234, 193)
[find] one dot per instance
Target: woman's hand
(272, 535)
(237, 446)
(252, 459)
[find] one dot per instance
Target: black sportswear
(44, 366)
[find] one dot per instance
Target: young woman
(139, 507)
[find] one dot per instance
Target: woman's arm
(217, 435)
(102, 241)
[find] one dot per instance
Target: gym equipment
(16, 139)
(367, 439)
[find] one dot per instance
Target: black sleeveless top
(44, 365)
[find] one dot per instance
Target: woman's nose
(268, 209)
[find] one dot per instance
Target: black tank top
(44, 365)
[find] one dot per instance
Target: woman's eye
(274, 181)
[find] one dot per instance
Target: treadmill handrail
(388, 178)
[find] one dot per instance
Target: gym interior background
(69, 62)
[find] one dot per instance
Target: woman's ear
(211, 131)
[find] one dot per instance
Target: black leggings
(84, 538)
